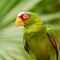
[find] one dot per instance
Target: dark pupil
(25, 16)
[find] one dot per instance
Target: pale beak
(19, 22)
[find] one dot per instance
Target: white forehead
(20, 13)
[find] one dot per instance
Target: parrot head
(27, 19)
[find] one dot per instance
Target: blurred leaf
(49, 17)
(55, 21)
(46, 7)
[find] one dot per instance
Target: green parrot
(39, 40)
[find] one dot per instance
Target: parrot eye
(25, 16)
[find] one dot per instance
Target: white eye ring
(25, 16)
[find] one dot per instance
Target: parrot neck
(36, 23)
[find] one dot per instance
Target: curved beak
(19, 22)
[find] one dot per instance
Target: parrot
(39, 40)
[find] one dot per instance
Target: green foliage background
(11, 38)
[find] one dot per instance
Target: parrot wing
(53, 39)
(25, 45)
